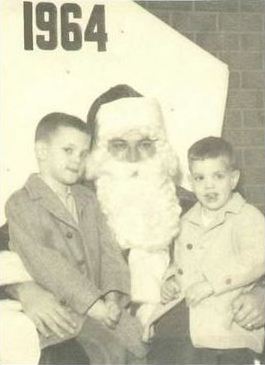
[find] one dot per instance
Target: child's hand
(48, 315)
(148, 334)
(197, 292)
(98, 311)
(107, 313)
(114, 313)
(170, 290)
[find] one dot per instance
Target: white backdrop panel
(142, 51)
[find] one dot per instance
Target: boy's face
(64, 155)
(213, 181)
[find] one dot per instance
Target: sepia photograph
(132, 144)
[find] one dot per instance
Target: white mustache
(100, 163)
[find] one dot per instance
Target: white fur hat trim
(126, 114)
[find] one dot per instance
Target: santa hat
(122, 109)
(114, 93)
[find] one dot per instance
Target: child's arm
(12, 269)
(115, 276)
(45, 264)
(247, 263)
(170, 287)
(196, 292)
(170, 290)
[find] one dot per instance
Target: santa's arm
(13, 270)
(115, 276)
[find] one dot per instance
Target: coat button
(69, 234)
(228, 281)
(63, 301)
(180, 271)
(189, 246)
(82, 266)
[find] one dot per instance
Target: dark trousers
(92, 346)
(68, 352)
(101, 345)
(120, 346)
(172, 344)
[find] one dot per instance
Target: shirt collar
(38, 189)
(234, 206)
(62, 194)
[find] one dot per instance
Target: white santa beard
(140, 204)
(142, 210)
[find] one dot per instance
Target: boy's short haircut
(49, 124)
(212, 147)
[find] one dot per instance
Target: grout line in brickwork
(218, 27)
(216, 32)
(247, 109)
(240, 79)
(254, 148)
(252, 185)
(259, 89)
(241, 118)
(170, 19)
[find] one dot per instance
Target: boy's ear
(235, 178)
(41, 150)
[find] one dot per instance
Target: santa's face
(133, 166)
(133, 146)
(136, 192)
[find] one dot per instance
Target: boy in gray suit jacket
(56, 228)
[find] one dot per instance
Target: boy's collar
(234, 205)
(62, 194)
(61, 190)
(39, 190)
(36, 187)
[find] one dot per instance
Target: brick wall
(234, 31)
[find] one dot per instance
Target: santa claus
(135, 169)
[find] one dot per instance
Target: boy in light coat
(218, 255)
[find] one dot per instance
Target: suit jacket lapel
(38, 189)
(79, 202)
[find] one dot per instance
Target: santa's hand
(114, 313)
(170, 290)
(44, 309)
(197, 292)
(249, 309)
